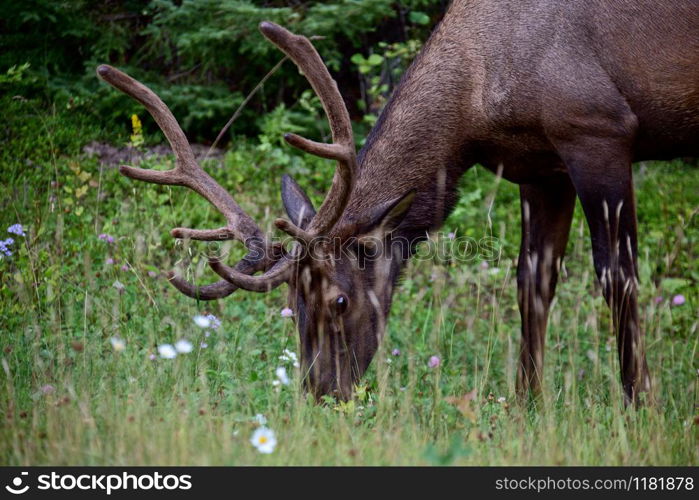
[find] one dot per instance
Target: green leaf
(375, 59)
(672, 285)
(417, 17)
(357, 59)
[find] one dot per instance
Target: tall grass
(68, 397)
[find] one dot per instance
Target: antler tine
(294, 231)
(162, 116)
(187, 172)
(302, 52)
(217, 290)
(278, 274)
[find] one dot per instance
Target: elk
(557, 97)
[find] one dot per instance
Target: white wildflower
(117, 344)
(167, 351)
(264, 440)
(183, 346)
(282, 375)
(202, 321)
(290, 356)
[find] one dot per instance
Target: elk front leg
(547, 210)
(600, 168)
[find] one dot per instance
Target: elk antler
(305, 56)
(301, 51)
(262, 255)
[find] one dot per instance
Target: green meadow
(85, 307)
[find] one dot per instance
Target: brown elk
(558, 97)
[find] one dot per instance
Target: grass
(67, 397)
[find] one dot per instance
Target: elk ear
(387, 216)
(298, 207)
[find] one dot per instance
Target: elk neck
(421, 139)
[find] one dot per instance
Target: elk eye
(341, 303)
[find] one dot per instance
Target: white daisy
(202, 321)
(183, 346)
(118, 344)
(264, 440)
(166, 351)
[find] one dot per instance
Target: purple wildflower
(286, 313)
(16, 229)
(434, 362)
(678, 300)
(395, 352)
(4, 244)
(214, 322)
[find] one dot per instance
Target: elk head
(341, 268)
